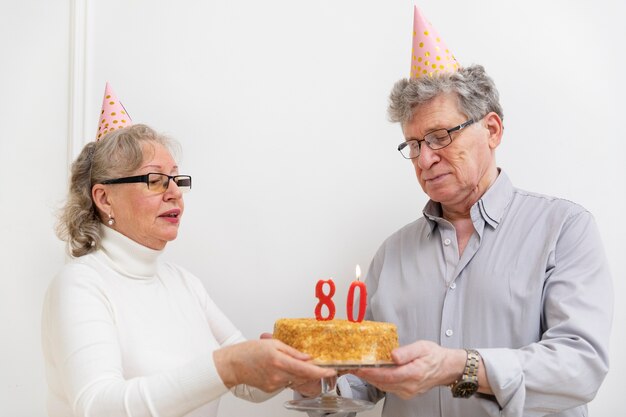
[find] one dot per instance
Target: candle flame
(358, 272)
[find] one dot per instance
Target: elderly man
(502, 297)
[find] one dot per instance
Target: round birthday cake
(339, 341)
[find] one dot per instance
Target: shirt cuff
(506, 379)
(343, 387)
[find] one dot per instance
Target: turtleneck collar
(128, 257)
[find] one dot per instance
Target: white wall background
(280, 108)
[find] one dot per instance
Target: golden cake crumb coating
(339, 341)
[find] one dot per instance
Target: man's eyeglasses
(156, 182)
(437, 139)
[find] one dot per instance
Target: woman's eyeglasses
(156, 182)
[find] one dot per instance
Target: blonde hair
(117, 154)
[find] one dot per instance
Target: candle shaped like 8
(362, 297)
(325, 299)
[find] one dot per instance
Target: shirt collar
(489, 209)
(128, 257)
(496, 199)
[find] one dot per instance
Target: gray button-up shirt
(531, 292)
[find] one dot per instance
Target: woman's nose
(172, 191)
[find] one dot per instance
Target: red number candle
(325, 299)
(362, 297)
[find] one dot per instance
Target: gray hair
(475, 90)
(117, 154)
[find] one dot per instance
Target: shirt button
(449, 332)
(446, 242)
(452, 286)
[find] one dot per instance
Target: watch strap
(471, 364)
(467, 385)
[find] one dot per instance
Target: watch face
(465, 389)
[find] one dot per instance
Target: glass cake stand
(328, 401)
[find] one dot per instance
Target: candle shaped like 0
(362, 297)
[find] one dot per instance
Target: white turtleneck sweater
(125, 334)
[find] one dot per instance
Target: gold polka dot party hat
(113, 114)
(430, 54)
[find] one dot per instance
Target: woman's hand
(267, 364)
(310, 388)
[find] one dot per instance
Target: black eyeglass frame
(419, 141)
(145, 178)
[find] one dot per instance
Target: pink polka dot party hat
(113, 114)
(430, 55)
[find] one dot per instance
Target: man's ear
(494, 125)
(102, 199)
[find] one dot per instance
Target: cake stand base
(329, 404)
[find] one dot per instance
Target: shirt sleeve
(227, 334)
(85, 364)
(351, 386)
(565, 368)
(81, 343)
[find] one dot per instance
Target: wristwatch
(468, 384)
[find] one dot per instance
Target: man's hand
(421, 366)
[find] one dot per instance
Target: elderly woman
(125, 334)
